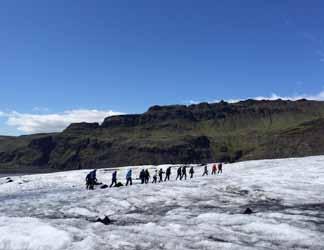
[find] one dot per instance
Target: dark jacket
(161, 172)
(114, 175)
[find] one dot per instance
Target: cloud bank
(273, 96)
(316, 97)
(45, 123)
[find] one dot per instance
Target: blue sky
(59, 59)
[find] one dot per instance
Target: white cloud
(273, 96)
(192, 102)
(316, 97)
(44, 123)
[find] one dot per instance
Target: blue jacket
(129, 174)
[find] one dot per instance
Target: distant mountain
(175, 134)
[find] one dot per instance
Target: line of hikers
(144, 176)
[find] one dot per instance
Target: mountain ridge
(196, 133)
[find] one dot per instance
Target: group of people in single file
(157, 176)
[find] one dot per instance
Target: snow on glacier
(54, 211)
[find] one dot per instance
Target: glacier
(55, 211)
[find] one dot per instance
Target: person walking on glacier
(114, 179)
(129, 178)
(184, 172)
(220, 168)
(205, 170)
(154, 177)
(88, 182)
(214, 169)
(167, 174)
(179, 173)
(191, 172)
(161, 172)
(147, 176)
(142, 176)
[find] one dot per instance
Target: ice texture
(55, 211)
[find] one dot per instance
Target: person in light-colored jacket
(129, 177)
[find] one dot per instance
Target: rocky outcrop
(43, 146)
(81, 127)
(122, 120)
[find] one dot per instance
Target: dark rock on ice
(105, 220)
(248, 211)
(119, 184)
